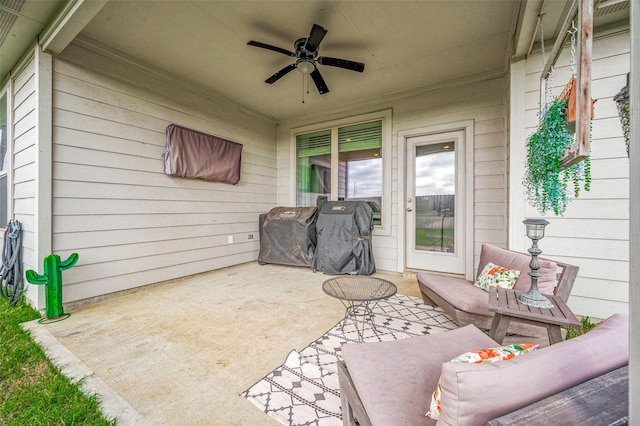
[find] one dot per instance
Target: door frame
(469, 241)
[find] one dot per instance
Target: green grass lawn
(434, 237)
(32, 389)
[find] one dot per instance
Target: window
(3, 160)
(342, 163)
(313, 167)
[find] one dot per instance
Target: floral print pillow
(494, 275)
(491, 355)
(481, 356)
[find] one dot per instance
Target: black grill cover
(288, 236)
(344, 238)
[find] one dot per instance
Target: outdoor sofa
(391, 383)
(468, 304)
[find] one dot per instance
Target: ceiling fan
(307, 59)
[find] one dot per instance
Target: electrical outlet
(250, 237)
(230, 239)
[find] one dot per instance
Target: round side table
(355, 291)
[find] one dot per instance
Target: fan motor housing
(301, 52)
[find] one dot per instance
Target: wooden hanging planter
(569, 94)
(584, 11)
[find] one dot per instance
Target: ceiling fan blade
(277, 76)
(315, 37)
(270, 47)
(319, 81)
(341, 63)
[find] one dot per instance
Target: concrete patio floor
(181, 352)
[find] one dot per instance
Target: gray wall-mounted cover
(193, 154)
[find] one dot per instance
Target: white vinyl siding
(594, 231)
(130, 223)
(24, 152)
(29, 161)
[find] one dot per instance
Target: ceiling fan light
(305, 66)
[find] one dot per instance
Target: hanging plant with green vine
(546, 183)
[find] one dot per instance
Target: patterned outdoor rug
(305, 391)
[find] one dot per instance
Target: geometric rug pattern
(304, 390)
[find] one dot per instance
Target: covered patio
(162, 356)
(167, 279)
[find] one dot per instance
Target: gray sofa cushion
(395, 379)
(473, 394)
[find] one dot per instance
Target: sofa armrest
(394, 380)
(474, 394)
(603, 400)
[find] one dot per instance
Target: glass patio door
(435, 203)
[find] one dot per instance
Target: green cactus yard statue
(52, 279)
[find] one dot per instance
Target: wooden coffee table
(504, 302)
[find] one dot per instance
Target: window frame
(385, 116)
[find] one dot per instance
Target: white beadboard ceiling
(407, 46)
